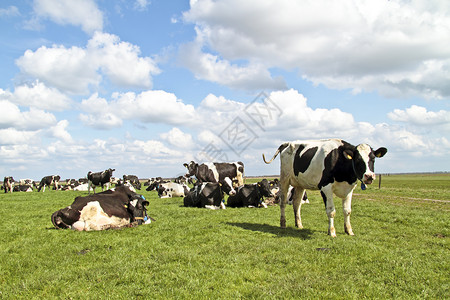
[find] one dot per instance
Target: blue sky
(145, 86)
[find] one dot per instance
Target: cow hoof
(332, 232)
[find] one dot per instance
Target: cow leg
(283, 200)
(44, 188)
(297, 205)
(327, 195)
(347, 208)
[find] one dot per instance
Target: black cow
(8, 182)
(99, 179)
(49, 181)
(208, 194)
(216, 172)
(113, 208)
(251, 195)
(331, 166)
(133, 180)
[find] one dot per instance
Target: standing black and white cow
(49, 181)
(8, 183)
(99, 179)
(115, 208)
(251, 195)
(331, 166)
(206, 195)
(217, 172)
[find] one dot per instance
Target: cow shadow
(304, 234)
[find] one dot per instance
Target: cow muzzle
(369, 178)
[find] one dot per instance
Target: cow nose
(233, 193)
(368, 178)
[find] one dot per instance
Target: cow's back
(303, 162)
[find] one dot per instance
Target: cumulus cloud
(178, 139)
(39, 96)
(397, 48)
(420, 116)
(154, 106)
(12, 117)
(206, 66)
(75, 69)
(83, 13)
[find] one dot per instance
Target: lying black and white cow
(52, 180)
(251, 195)
(113, 208)
(331, 166)
(216, 172)
(23, 188)
(99, 179)
(133, 180)
(172, 189)
(8, 183)
(206, 195)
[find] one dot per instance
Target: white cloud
(179, 139)
(83, 13)
(59, 131)
(12, 136)
(39, 96)
(12, 117)
(75, 69)
(419, 116)
(206, 66)
(397, 48)
(154, 106)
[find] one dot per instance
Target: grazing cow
(23, 188)
(216, 172)
(8, 183)
(49, 181)
(99, 179)
(251, 195)
(133, 180)
(114, 208)
(207, 195)
(331, 166)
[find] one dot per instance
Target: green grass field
(400, 249)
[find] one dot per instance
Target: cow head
(109, 171)
(264, 188)
(192, 168)
(363, 159)
(138, 209)
(227, 186)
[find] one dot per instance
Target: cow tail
(57, 222)
(281, 148)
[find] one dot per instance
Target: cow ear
(185, 164)
(380, 152)
(348, 154)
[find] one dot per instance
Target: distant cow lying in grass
(113, 208)
(207, 195)
(251, 195)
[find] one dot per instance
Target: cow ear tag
(363, 186)
(126, 206)
(349, 156)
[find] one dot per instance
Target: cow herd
(331, 166)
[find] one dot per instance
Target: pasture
(400, 249)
